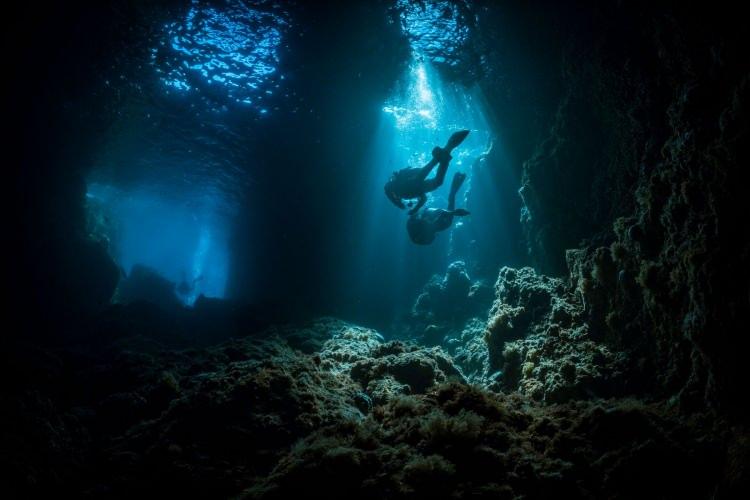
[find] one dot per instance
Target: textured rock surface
(329, 409)
(459, 442)
(642, 170)
(538, 338)
(469, 350)
(446, 304)
(109, 417)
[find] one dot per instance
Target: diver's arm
(394, 199)
(422, 201)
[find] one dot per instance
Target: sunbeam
(422, 112)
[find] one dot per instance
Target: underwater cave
(377, 249)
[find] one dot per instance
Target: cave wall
(60, 107)
(641, 172)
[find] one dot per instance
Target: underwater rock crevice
(660, 254)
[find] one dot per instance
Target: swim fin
(456, 139)
(460, 212)
(458, 180)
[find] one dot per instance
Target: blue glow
(417, 107)
(437, 30)
(423, 111)
(234, 47)
(185, 242)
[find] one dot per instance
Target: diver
(186, 287)
(412, 182)
(423, 225)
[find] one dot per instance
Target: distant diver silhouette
(422, 226)
(412, 182)
(186, 287)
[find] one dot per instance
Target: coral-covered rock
(565, 365)
(417, 368)
(469, 351)
(523, 303)
(387, 369)
(240, 411)
(273, 416)
(539, 338)
(461, 442)
(446, 303)
(641, 174)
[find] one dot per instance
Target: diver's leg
(425, 171)
(422, 200)
(437, 181)
(458, 180)
(441, 156)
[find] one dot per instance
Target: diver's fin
(461, 212)
(458, 180)
(456, 139)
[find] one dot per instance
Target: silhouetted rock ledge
(330, 409)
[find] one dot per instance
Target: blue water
(184, 241)
(230, 53)
(180, 169)
(436, 30)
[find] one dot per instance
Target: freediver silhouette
(422, 226)
(186, 287)
(412, 182)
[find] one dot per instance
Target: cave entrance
(168, 249)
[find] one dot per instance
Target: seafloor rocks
(328, 409)
(524, 302)
(461, 442)
(245, 401)
(418, 368)
(539, 340)
(469, 351)
(542, 336)
(241, 404)
(383, 369)
(190, 413)
(446, 303)
(562, 364)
